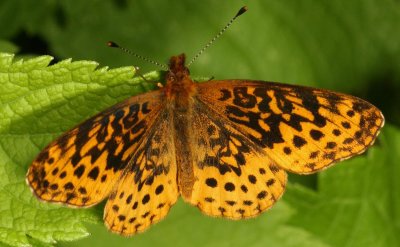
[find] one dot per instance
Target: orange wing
(148, 187)
(81, 167)
(233, 176)
(300, 129)
(246, 133)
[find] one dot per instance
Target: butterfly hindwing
(148, 188)
(233, 176)
(81, 167)
(300, 129)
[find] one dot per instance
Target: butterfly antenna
(115, 45)
(239, 13)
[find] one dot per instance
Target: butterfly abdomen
(184, 160)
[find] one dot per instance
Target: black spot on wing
(316, 134)
(229, 187)
(242, 98)
(211, 182)
(225, 94)
(299, 141)
(94, 173)
(79, 171)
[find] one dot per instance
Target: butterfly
(224, 146)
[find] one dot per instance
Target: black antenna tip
(241, 11)
(113, 44)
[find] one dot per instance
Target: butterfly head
(178, 80)
(177, 69)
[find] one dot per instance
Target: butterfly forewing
(299, 129)
(82, 166)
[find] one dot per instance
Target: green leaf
(37, 103)
(358, 202)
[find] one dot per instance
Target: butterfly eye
(170, 77)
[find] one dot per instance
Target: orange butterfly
(224, 146)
